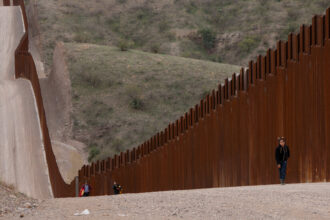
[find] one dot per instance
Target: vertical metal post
(77, 186)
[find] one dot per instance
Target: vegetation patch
(121, 99)
(93, 152)
(248, 44)
(208, 38)
(163, 23)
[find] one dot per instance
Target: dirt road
(22, 157)
(291, 201)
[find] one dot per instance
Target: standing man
(282, 154)
(85, 189)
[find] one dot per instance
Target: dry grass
(153, 24)
(122, 98)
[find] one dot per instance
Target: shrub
(248, 44)
(208, 38)
(191, 8)
(163, 26)
(155, 48)
(82, 37)
(283, 35)
(123, 45)
(170, 36)
(215, 58)
(290, 29)
(135, 97)
(117, 145)
(137, 103)
(93, 152)
(91, 79)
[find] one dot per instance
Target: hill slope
(122, 98)
(224, 31)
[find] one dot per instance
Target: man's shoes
(282, 182)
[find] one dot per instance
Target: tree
(208, 37)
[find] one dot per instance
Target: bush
(125, 45)
(137, 103)
(163, 26)
(117, 145)
(191, 8)
(155, 48)
(290, 28)
(91, 79)
(170, 36)
(248, 44)
(82, 37)
(135, 97)
(208, 38)
(93, 152)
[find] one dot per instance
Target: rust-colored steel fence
(229, 138)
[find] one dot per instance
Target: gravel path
(291, 201)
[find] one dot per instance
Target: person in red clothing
(85, 189)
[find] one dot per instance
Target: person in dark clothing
(282, 154)
(117, 189)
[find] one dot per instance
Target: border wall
(25, 68)
(229, 138)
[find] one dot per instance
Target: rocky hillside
(223, 31)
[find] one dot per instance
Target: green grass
(122, 98)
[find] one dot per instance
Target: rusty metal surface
(229, 138)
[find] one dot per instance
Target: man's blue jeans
(282, 170)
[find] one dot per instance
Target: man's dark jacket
(282, 154)
(116, 188)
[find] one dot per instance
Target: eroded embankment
(22, 159)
